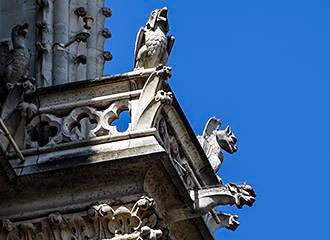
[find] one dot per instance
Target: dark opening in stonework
(43, 132)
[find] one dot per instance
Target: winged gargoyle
(214, 141)
(152, 46)
(15, 82)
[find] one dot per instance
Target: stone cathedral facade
(66, 171)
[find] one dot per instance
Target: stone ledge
(86, 155)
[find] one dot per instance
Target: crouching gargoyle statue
(14, 84)
(214, 141)
(152, 46)
(207, 198)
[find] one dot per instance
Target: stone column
(92, 41)
(61, 19)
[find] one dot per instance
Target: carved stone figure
(14, 83)
(207, 198)
(152, 46)
(229, 194)
(14, 70)
(214, 141)
(228, 221)
(15, 63)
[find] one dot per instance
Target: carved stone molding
(100, 221)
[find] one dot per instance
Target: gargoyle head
(229, 221)
(18, 34)
(227, 140)
(158, 18)
(244, 194)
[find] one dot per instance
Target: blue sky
(263, 68)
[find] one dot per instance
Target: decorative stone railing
(86, 115)
(74, 120)
(74, 116)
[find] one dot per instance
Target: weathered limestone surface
(74, 156)
(67, 171)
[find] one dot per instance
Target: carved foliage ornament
(99, 222)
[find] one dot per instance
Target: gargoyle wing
(212, 124)
(15, 96)
(140, 40)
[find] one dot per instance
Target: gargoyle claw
(164, 72)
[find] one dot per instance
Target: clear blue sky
(263, 68)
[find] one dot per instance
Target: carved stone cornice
(100, 221)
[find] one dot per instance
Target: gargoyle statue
(230, 194)
(15, 63)
(214, 141)
(152, 46)
(14, 70)
(14, 83)
(228, 221)
(207, 198)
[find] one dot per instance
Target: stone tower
(66, 172)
